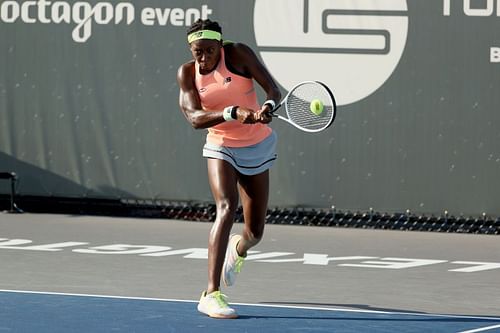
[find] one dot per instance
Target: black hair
(204, 25)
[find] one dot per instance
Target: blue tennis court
(46, 312)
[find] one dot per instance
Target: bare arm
(190, 104)
(189, 100)
(246, 61)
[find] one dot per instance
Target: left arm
(247, 62)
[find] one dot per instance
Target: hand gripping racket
(299, 106)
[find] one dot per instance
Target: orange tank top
(221, 88)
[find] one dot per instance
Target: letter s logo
(353, 46)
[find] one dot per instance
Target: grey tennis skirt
(250, 160)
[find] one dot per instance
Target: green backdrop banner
(89, 100)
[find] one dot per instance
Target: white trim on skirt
(250, 160)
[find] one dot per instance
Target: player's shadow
(390, 317)
(363, 307)
(371, 313)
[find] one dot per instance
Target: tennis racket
(299, 107)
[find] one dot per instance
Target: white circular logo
(353, 46)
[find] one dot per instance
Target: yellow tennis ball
(316, 106)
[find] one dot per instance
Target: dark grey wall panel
(418, 85)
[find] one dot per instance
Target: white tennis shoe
(215, 305)
(233, 261)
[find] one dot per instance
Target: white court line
(482, 329)
(259, 305)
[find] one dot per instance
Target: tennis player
(217, 93)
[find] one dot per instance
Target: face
(206, 52)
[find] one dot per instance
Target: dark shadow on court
(390, 317)
(344, 306)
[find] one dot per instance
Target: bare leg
(254, 193)
(223, 183)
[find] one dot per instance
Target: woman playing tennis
(217, 93)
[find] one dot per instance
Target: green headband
(204, 34)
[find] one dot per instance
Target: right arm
(189, 100)
(190, 104)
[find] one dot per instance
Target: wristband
(271, 103)
(229, 113)
(234, 109)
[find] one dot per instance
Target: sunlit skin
(228, 186)
(206, 53)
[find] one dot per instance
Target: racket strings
(299, 102)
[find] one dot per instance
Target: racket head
(298, 106)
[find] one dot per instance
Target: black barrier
(206, 212)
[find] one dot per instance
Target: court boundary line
(481, 329)
(486, 318)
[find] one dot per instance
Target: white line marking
(477, 266)
(92, 295)
(481, 329)
(256, 305)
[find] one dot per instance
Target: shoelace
(238, 264)
(221, 299)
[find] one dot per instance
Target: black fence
(205, 212)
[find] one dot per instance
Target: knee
(226, 208)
